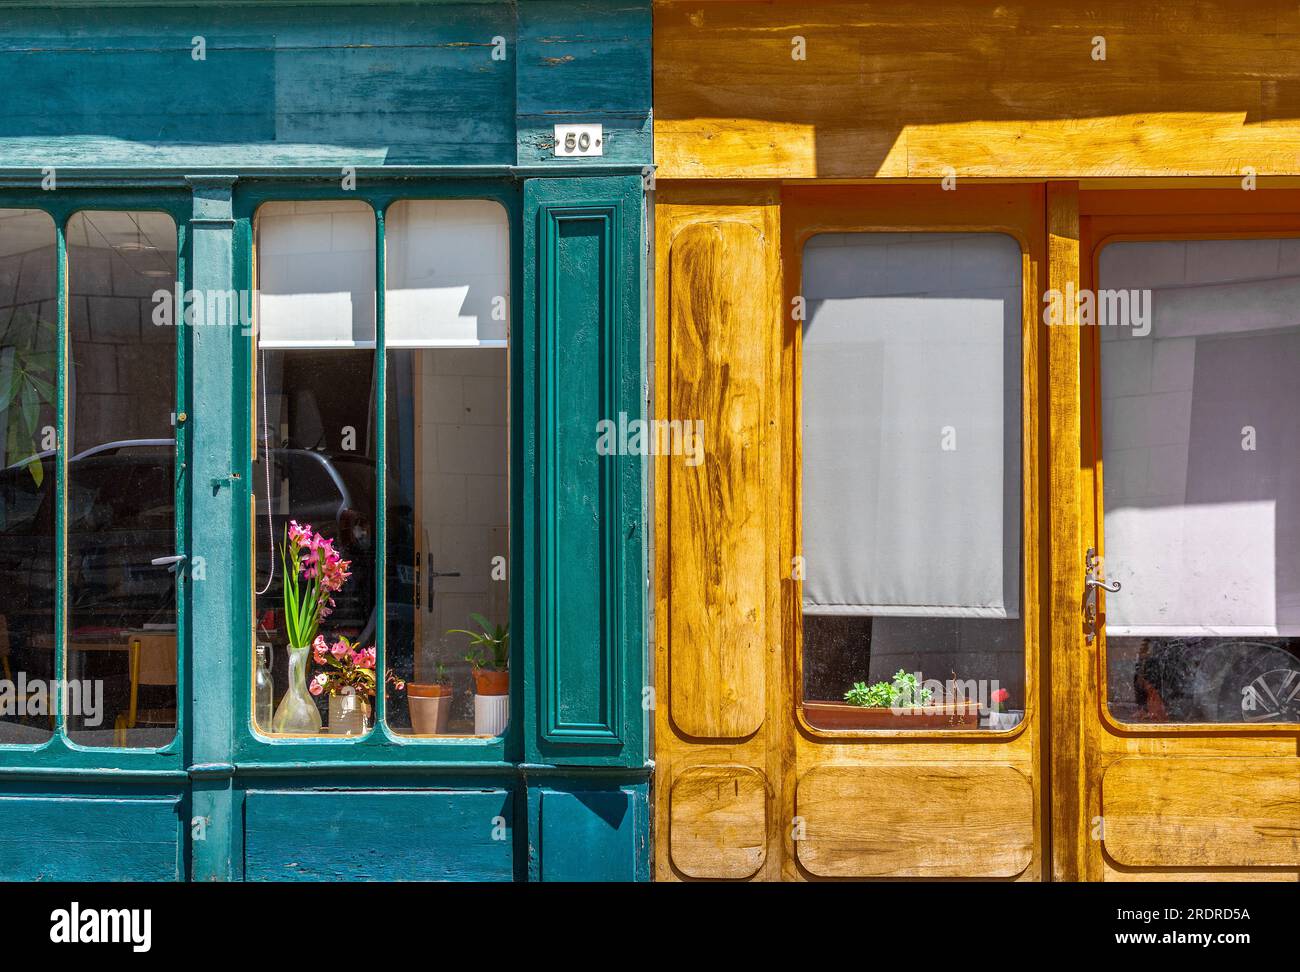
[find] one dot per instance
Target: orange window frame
(1016, 210)
(1119, 215)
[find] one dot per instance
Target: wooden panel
(718, 359)
(590, 835)
(1116, 874)
(368, 85)
(928, 820)
(1063, 550)
(582, 343)
(1190, 812)
(368, 835)
(719, 822)
(90, 839)
(921, 89)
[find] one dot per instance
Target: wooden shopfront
(391, 309)
(925, 274)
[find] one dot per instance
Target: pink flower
(319, 648)
(364, 657)
(317, 685)
(341, 650)
(299, 534)
(1000, 695)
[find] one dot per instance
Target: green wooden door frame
(60, 757)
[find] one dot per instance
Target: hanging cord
(266, 461)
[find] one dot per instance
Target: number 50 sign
(576, 141)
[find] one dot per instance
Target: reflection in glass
(316, 424)
(448, 530)
(121, 478)
(911, 382)
(28, 380)
(1201, 452)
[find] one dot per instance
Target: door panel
(1189, 438)
(942, 796)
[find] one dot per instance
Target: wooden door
(752, 783)
(1188, 764)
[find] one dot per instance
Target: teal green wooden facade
(114, 102)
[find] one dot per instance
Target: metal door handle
(1111, 586)
(1091, 584)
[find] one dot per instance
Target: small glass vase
(297, 711)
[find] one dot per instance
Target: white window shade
(447, 271)
(911, 382)
(316, 275)
(1201, 440)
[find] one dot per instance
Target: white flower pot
(1005, 720)
(491, 714)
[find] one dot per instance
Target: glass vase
(297, 711)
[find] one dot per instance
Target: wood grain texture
(367, 85)
(1207, 812)
(925, 820)
(1169, 756)
(719, 822)
(1067, 681)
(894, 90)
(74, 838)
(716, 508)
(767, 750)
(375, 835)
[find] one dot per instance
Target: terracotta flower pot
(488, 682)
(430, 706)
(841, 715)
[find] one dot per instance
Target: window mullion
(381, 481)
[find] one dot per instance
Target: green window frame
(380, 746)
(60, 755)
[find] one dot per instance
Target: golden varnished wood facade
(757, 151)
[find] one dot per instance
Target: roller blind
(316, 274)
(1201, 439)
(911, 382)
(447, 273)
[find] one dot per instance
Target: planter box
(841, 715)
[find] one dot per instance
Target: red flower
(1001, 695)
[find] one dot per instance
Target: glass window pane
(316, 274)
(121, 480)
(1201, 453)
(316, 417)
(315, 470)
(447, 270)
(448, 540)
(911, 378)
(28, 388)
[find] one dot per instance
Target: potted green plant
(900, 703)
(430, 703)
(349, 678)
(489, 656)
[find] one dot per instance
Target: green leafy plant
(27, 364)
(904, 691)
(493, 639)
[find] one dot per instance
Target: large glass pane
(448, 447)
(1201, 459)
(448, 546)
(28, 380)
(315, 469)
(911, 549)
(122, 580)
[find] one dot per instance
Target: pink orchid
(317, 685)
(319, 648)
